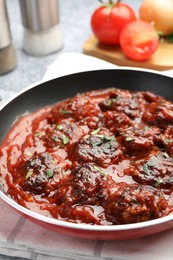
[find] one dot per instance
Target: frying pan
(47, 93)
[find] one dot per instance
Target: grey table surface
(75, 27)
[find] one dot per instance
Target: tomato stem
(101, 1)
(111, 2)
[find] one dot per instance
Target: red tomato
(139, 40)
(107, 21)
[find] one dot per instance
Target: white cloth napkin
(68, 63)
(21, 238)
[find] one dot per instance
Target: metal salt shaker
(7, 52)
(42, 34)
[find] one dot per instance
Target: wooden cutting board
(161, 60)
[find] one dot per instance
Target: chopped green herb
(100, 136)
(97, 143)
(146, 128)
(129, 139)
(166, 155)
(49, 173)
(66, 172)
(54, 161)
(65, 139)
(103, 138)
(29, 173)
(54, 138)
(95, 131)
(146, 170)
(107, 145)
(158, 182)
(110, 101)
(64, 111)
(59, 127)
(86, 136)
(28, 153)
(39, 134)
(100, 170)
(168, 141)
(108, 138)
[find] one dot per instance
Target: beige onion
(158, 12)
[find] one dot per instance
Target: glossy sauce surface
(103, 157)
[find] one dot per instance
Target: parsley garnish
(158, 182)
(129, 139)
(95, 131)
(100, 170)
(65, 111)
(146, 170)
(97, 143)
(110, 101)
(29, 173)
(49, 173)
(65, 139)
(59, 127)
(103, 138)
(146, 128)
(166, 155)
(168, 141)
(38, 134)
(28, 153)
(106, 137)
(107, 145)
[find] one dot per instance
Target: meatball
(151, 97)
(52, 138)
(167, 140)
(116, 122)
(101, 149)
(168, 133)
(135, 203)
(89, 184)
(38, 171)
(159, 114)
(132, 104)
(156, 170)
(140, 139)
(78, 107)
(67, 131)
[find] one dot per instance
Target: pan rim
(36, 84)
(82, 226)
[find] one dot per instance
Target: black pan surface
(64, 87)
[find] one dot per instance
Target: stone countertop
(75, 27)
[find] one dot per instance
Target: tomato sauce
(102, 157)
